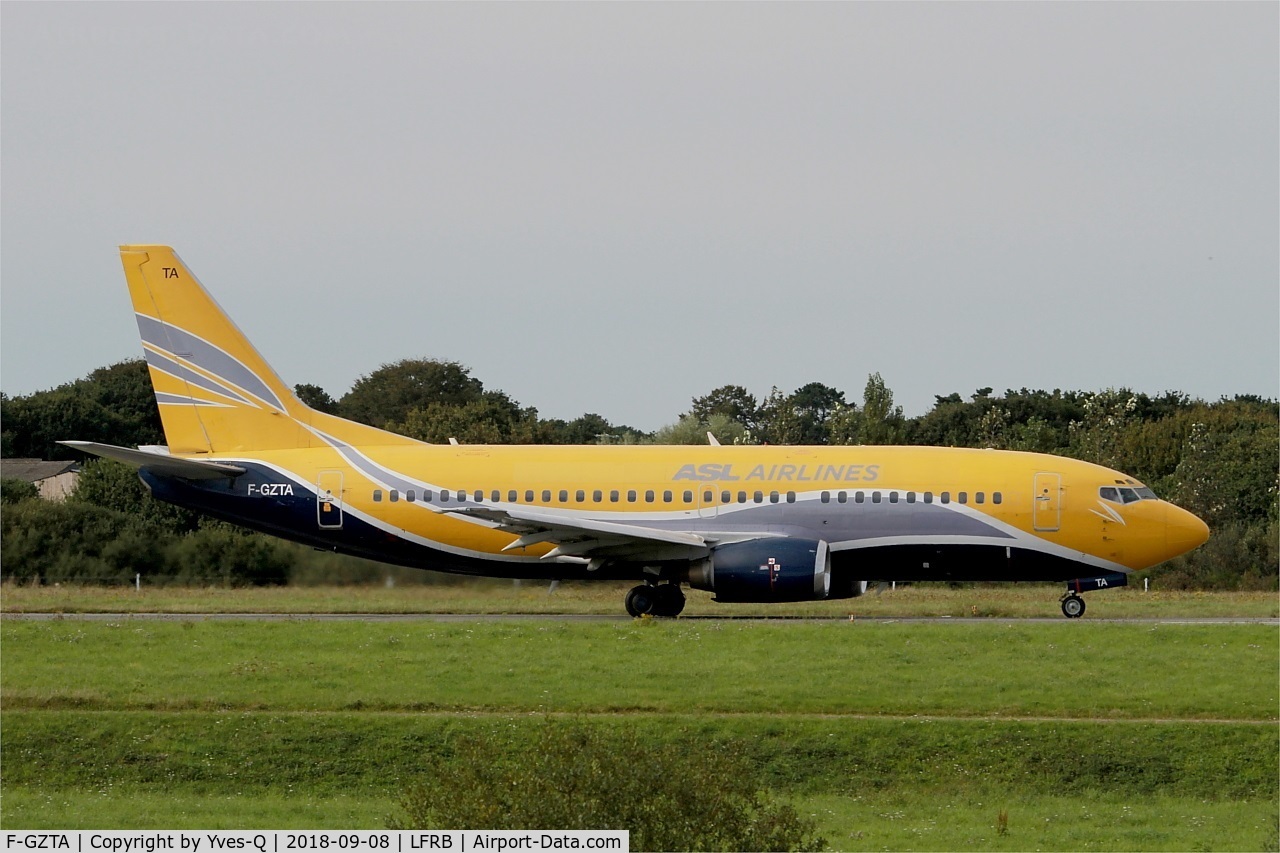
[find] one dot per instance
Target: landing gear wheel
(670, 600)
(641, 600)
(1072, 606)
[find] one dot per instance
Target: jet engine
(763, 570)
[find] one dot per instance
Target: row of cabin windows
(686, 497)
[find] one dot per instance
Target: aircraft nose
(1183, 530)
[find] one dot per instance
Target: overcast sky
(617, 207)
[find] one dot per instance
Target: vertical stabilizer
(216, 393)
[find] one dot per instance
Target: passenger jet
(749, 524)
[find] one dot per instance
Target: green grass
(328, 755)
(943, 820)
(872, 784)
(42, 807)
(1066, 669)
(1092, 736)
(488, 596)
(928, 820)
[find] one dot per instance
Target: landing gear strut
(1073, 604)
(660, 600)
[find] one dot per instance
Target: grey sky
(617, 207)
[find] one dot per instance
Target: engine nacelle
(766, 570)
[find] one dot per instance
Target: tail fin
(216, 393)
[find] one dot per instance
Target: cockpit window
(1125, 495)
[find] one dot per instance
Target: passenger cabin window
(742, 497)
(495, 495)
(911, 497)
(546, 496)
(410, 496)
(597, 496)
(444, 496)
(426, 495)
(791, 497)
(773, 497)
(580, 496)
(979, 497)
(564, 496)
(758, 497)
(649, 496)
(688, 496)
(996, 497)
(528, 496)
(725, 497)
(631, 495)
(613, 496)
(666, 496)
(377, 495)
(945, 497)
(511, 496)
(963, 497)
(842, 497)
(394, 495)
(825, 497)
(928, 497)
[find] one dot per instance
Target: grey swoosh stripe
(206, 356)
(186, 374)
(175, 399)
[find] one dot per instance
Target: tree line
(1219, 459)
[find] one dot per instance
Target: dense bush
(670, 795)
(12, 491)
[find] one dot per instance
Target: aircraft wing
(585, 538)
(160, 463)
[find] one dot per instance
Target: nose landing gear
(1073, 604)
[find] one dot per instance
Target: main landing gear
(657, 600)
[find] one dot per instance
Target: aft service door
(1046, 510)
(329, 500)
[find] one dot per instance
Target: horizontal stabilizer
(159, 463)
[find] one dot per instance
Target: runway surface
(565, 617)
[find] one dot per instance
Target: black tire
(641, 600)
(670, 600)
(1073, 607)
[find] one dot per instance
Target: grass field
(893, 735)
(488, 596)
